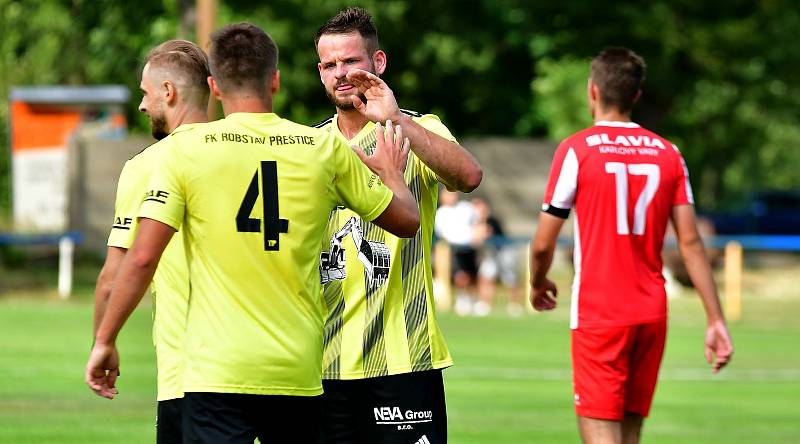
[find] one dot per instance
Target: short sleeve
(165, 197)
(683, 189)
(355, 186)
(126, 207)
(432, 123)
(562, 183)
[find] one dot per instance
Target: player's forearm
(456, 166)
(699, 269)
(102, 292)
(541, 260)
(105, 281)
(406, 209)
(129, 287)
(543, 247)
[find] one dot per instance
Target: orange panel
(41, 127)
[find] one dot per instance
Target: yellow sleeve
(355, 186)
(432, 123)
(165, 197)
(126, 207)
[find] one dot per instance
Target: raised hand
(391, 151)
(381, 104)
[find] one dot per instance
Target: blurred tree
(721, 80)
(721, 83)
(76, 42)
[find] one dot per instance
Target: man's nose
(340, 71)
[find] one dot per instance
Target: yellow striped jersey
(252, 194)
(378, 288)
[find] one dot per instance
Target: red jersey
(622, 181)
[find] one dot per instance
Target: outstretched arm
(450, 161)
(718, 344)
(135, 274)
(543, 290)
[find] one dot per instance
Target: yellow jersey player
(174, 96)
(251, 195)
(384, 350)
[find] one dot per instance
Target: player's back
(256, 191)
(623, 181)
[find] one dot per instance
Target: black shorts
(169, 427)
(229, 418)
(400, 409)
(465, 259)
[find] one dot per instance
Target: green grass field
(510, 384)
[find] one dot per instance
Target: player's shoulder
(412, 113)
(299, 128)
(146, 154)
(430, 122)
(422, 118)
(324, 124)
(655, 140)
(579, 139)
(190, 129)
(654, 136)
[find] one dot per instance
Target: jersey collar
(616, 124)
(185, 127)
(369, 127)
(253, 117)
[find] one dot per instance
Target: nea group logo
(395, 414)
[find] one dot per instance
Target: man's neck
(246, 104)
(187, 115)
(611, 116)
(350, 122)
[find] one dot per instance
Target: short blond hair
(185, 59)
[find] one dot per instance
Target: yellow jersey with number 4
(252, 194)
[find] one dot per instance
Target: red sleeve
(683, 189)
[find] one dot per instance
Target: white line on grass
(676, 374)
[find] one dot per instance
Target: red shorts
(615, 369)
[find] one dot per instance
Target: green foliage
(721, 82)
(560, 96)
(75, 42)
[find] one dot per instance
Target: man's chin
(344, 103)
(345, 106)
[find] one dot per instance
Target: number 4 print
(621, 172)
(273, 224)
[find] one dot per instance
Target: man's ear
(275, 83)
(170, 93)
(379, 61)
(594, 91)
(638, 95)
(213, 87)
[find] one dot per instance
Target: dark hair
(619, 74)
(243, 56)
(183, 58)
(352, 19)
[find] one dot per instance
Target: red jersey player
(624, 183)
